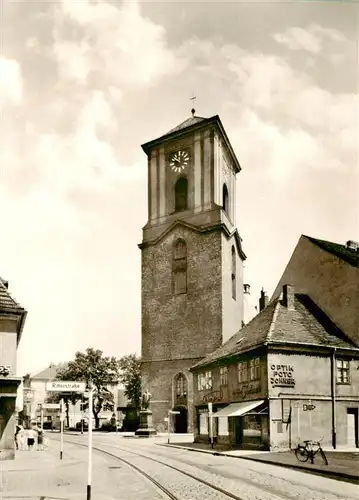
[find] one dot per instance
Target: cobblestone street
(41, 475)
(247, 479)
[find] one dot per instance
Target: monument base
(146, 428)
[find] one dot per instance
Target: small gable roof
(48, 373)
(349, 255)
(7, 302)
(8, 305)
(305, 325)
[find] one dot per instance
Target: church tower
(192, 261)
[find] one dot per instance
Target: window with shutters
(223, 375)
(242, 371)
(343, 375)
(254, 369)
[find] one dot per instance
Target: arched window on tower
(181, 194)
(179, 267)
(234, 277)
(181, 386)
(225, 205)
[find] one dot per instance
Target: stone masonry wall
(187, 325)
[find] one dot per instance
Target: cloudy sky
(84, 83)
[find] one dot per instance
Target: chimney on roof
(353, 245)
(263, 300)
(247, 289)
(288, 297)
(4, 282)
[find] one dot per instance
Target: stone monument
(146, 428)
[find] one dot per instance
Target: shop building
(12, 320)
(329, 273)
(290, 374)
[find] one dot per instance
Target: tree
(130, 377)
(101, 371)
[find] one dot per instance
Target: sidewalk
(41, 475)
(342, 465)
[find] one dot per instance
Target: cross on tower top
(193, 98)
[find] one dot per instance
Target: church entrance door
(180, 423)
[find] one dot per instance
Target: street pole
(61, 427)
(210, 423)
(89, 472)
(168, 426)
(42, 418)
(82, 414)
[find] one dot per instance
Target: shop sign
(5, 370)
(213, 396)
(309, 407)
(28, 395)
(247, 389)
(282, 376)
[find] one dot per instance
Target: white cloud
(277, 153)
(299, 39)
(11, 86)
(32, 43)
(310, 39)
(81, 160)
(280, 117)
(126, 49)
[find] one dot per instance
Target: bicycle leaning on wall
(303, 453)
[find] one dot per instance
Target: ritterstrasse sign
(64, 386)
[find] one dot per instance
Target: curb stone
(340, 476)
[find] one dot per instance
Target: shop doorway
(352, 427)
(239, 430)
(180, 420)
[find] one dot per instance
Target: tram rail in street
(221, 493)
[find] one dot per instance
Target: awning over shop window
(238, 409)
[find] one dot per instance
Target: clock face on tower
(179, 161)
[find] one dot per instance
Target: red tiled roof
(48, 373)
(7, 303)
(341, 251)
(306, 324)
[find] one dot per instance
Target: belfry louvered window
(181, 194)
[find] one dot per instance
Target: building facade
(37, 409)
(290, 374)
(192, 261)
(329, 273)
(12, 320)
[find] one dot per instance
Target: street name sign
(50, 406)
(65, 386)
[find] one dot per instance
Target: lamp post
(89, 469)
(210, 413)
